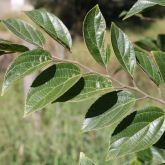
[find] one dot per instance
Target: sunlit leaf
(108, 110)
(142, 131)
(149, 67)
(94, 34)
(123, 49)
(25, 31)
(85, 160)
(24, 65)
(89, 86)
(160, 60)
(52, 25)
(141, 5)
(50, 85)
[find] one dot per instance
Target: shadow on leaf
(124, 123)
(103, 104)
(72, 92)
(45, 76)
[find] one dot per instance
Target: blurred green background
(53, 136)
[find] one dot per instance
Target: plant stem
(122, 85)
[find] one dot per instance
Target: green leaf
(24, 65)
(161, 41)
(50, 85)
(108, 110)
(149, 67)
(25, 31)
(85, 160)
(94, 30)
(160, 60)
(160, 143)
(135, 162)
(152, 156)
(147, 44)
(52, 25)
(9, 47)
(123, 49)
(140, 5)
(144, 130)
(89, 86)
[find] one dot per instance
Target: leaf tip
(82, 155)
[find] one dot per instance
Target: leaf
(147, 44)
(25, 31)
(146, 128)
(9, 47)
(24, 65)
(149, 67)
(89, 86)
(151, 155)
(94, 30)
(160, 143)
(140, 5)
(135, 162)
(85, 160)
(52, 25)
(50, 85)
(123, 49)
(160, 60)
(108, 110)
(161, 41)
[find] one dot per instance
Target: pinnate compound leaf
(25, 31)
(84, 160)
(160, 60)
(141, 5)
(149, 67)
(123, 49)
(94, 30)
(9, 47)
(52, 25)
(89, 86)
(50, 85)
(144, 130)
(25, 64)
(108, 110)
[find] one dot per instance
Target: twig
(122, 85)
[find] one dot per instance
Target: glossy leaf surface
(25, 31)
(142, 131)
(50, 85)
(93, 85)
(52, 25)
(94, 34)
(160, 60)
(123, 49)
(149, 67)
(24, 65)
(108, 110)
(140, 5)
